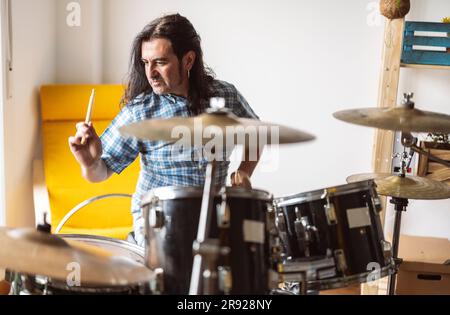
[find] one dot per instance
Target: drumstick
(89, 113)
(238, 177)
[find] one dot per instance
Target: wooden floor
(4, 288)
(350, 290)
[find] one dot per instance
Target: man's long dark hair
(183, 37)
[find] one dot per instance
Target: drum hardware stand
(157, 284)
(411, 142)
(218, 108)
(400, 206)
(305, 232)
(210, 250)
(45, 227)
(203, 232)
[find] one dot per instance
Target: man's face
(164, 71)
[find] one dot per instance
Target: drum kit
(236, 240)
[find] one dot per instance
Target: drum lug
(280, 223)
(271, 220)
(157, 284)
(341, 262)
(330, 211)
(156, 218)
(376, 202)
(225, 279)
(223, 213)
(276, 250)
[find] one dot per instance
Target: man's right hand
(89, 153)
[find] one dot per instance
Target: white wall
(79, 47)
(3, 99)
(34, 55)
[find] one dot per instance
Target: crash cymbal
(398, 118)
(209, 125)
(409, 187)
(36, 253)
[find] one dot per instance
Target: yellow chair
(59, 188)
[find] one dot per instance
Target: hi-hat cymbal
(36, 253)
(206, 126)
(398, 118)
(409, 187)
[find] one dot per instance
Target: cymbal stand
(400, 205)
(411, 142)
(201, 242)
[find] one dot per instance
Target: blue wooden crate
(422, 56)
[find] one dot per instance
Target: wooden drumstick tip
(89, 113)
(237, 177)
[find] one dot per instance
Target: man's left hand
(240, 178)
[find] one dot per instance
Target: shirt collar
(174, 98)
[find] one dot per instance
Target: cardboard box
(423, 270)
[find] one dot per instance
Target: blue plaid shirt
(158, 167)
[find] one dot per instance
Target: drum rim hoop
(317, 194)
(180, 192)
(124, 244)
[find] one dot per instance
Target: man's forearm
(97, 172)
(249, 163)
(248, 167)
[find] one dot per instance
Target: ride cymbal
(408, 187)
(398, 118)
(209, 125)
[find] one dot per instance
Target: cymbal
(36, 253)
(398, 118)
(210, 125)
(409, 187)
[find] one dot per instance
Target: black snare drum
(339, 222)
(238, 221)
